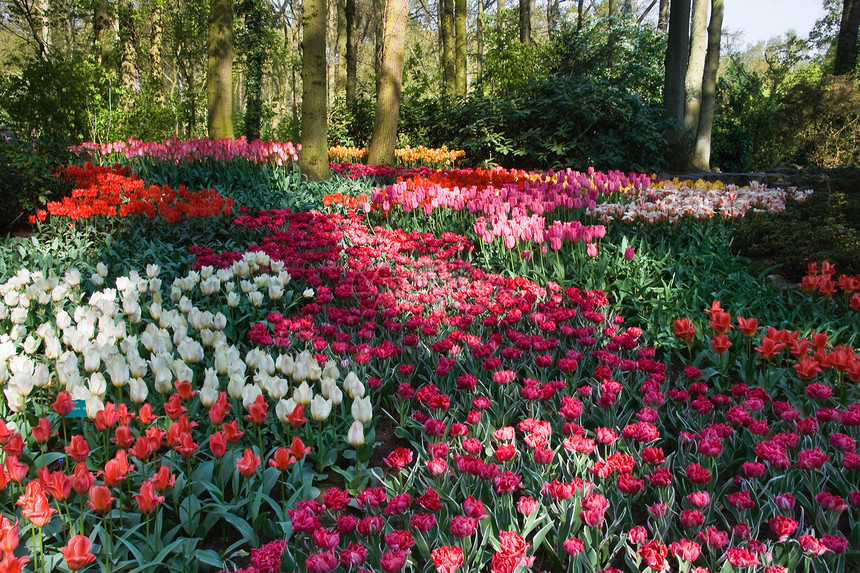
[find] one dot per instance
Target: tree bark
(156, 44)
(384, 137)
(526, 21)
(256, 24)
(846, 43)
(673, 89)
(314, 155)
(340, 77)
(552, 14)
(663, 16)
(219, 81)
(695, 66)
(101, 23)
(580, 14)
(128, 65)
(611, 8)
(351, 49)
(702, 152)
(449, 67)
(479, 41)
(460, 35)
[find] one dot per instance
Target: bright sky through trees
(760, 20)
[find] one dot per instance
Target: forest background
(529, 84)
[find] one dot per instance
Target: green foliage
(62, 100)
(28, 179)
(560, 122)
(616, 49)
(508, 63)
(352, 125)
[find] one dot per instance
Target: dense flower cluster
(342, 153)
(356, 170)
(825, 282)
(177, 150)
(406, 155)
(114, 192)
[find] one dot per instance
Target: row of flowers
(420, 155)
(116, 192)
(177, 150)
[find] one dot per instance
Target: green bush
(28, 179)
(571, 121)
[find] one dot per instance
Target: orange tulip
(77, 552)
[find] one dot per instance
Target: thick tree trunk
(846, 43)
(314, 155)
(526, 21)
(219, 81)
(677, 54)
(128, 66)
(446, 30)
(460, 59)
(702, 152)
(695, 66)
(351, 49)
(382, 142)
(663, 16)
(156, 45)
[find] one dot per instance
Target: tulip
(320, 408)
(100, 499)
(8, 534)
(362, 410)
(355, 436)
(248, 463)
(146, 500)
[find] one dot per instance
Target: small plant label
(79, 409)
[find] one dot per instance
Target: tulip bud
(362, 411)
(355, 436)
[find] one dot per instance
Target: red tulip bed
(345, 396)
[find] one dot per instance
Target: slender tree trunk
(677, 54)
(695, 66)
(500, 6)
(449, 66)
(460, 36)
(127, 66)
(351, 49)
(340, 77)
(314, 155)
(256, 25)
(663, 16)
(382, 142)
(526, 21)
(156, 44)
(552, 15)
(479, 40)
(611, 8)
(580, 14)
(219, 81)
(101, 23)
(702, 153)
(846, 43)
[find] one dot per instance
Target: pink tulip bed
(390, 384)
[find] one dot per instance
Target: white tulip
(219, 321)
(355, 436)
(286, 364)
(190, 350)
(139, 390)
(235, 387)
(256, 299)
(97, 384)
(208, 396)
(152, 271)
(330, 370)
(303, 394)
(320, 408)
(232, 299)
(362, 411)
(249, 394)
(19, 315)
(94, 406)
(118, 370)
(276, 292)
(92, 359)
(41, 376)
(72, 277)
(15, 401)
(31, 344)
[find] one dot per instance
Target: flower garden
(421, 368)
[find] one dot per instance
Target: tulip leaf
(209, 557)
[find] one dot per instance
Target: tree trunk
(314, 155)
(846, 43)
(526, 21)
(256, 26)
(351, 49)
(663, 16)
(128, 65)
(219, 81)
(101, 23)
(611, 8)
(673, 89)
(552, 15)
(156, 44)
(449, 67)
(702, 153)
(340, 77)
(580, 13)
(384, 137)
(695, 66)
(460, 60)
(479, 40)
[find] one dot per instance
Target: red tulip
(63, 404)
(78, 448)
(12, 564)
(100, 499)
(218, 444)
(146, 500)
(297, 416)
(8, 534)
(257, 411)
(42, 431)
(162, 479)
(248, 463)
(16, 470)
(282, 459)
(83, 478)
(35, 505)
(77, 552)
